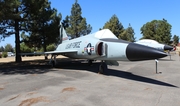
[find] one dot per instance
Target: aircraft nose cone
(136, 52)
(167, 47)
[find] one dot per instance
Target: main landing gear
(102, 67)
(52, 61)
(90, 62)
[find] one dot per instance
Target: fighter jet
(154, 44)
(102, 45)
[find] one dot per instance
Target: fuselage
(89, 47)
(107, 47)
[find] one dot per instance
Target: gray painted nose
(136, 52)
(167, 47)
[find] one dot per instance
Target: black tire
(53, 64)
(101, 69)
(90, 62)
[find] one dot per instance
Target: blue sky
(135, 12)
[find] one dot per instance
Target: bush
(4, 54)
(0, 55)
(51, 47)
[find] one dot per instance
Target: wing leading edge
(50, 52)
(60, 52)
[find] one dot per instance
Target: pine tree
(32, 16)
(175, 39)
(128, 34)
(45, 25)
(114, 25)
(77, 24)
(65, 22)
(13, 14)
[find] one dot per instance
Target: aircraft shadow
(78, 65)
(130, 76)
(25, 67)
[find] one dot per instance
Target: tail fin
(63, 35)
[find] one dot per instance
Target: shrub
(51, 47)
(4, 54)
(0, 55)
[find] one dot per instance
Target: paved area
(74, 83)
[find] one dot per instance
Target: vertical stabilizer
(63, 34)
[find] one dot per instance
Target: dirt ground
(12, 59)
(9, 62)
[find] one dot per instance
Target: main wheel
(101, 69)
(90, 62)
(52, 63)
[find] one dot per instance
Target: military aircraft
(154, 44)
(102, 45)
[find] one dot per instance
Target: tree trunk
(44, 47)
(17, 40)
(45, 56)
(44, 42)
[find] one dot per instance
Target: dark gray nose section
(136, 52)
(167, 47)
